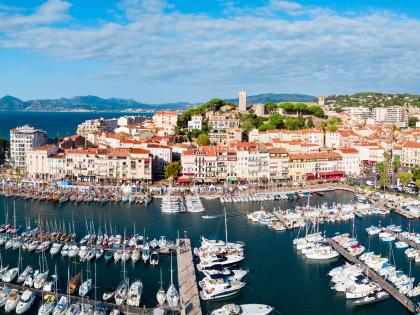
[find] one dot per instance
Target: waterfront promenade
(405, 301)
(189, 298)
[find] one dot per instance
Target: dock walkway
(404, 300)
(189, 298)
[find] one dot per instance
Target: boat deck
(404, 300)
(188, 290)
(108, 307)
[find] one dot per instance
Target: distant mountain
(276, 98)
(95, 103)
(84, 103)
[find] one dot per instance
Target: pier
(404, 300)
(108, 307)
(188, 290)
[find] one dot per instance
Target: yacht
(4, 295)
(40, 279)
(74, 309)
(135, 255)
(48, 305)
(29, 281)
(25, 302)
(134, 293)
(244, 309)
(209, 261)
(219, 272)
(12, 301)
(10, 275)
(61, 307)
(145, 255)
(154, 258)
(121, 292)
(22, 277)
(161, 295)
(172, 295)
(220, 288)
(85, 288)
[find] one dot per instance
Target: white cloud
(49, 12)
(324, 51)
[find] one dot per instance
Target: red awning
(332, 173)
(310, 175)
(183, 180)
(189, 174)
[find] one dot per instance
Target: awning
(183, 180)
(310, 175)
(189, 174)
(332, 173)
(232, 180)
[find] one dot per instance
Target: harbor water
(279, 276)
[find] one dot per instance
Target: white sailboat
(172, 295)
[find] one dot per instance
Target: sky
(159, 51)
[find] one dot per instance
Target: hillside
(83, 103)
(276, 98)
(372, 100)
(95, 103)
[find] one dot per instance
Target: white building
(96, 126)
(22, 139)
(196, 122)
(242, 101)
(395, 115)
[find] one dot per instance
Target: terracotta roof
(348, 150)
(315, 156)
(277, 151)
(83, 151)
(166, 113)
(411, 144)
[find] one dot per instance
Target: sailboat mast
(226, 231)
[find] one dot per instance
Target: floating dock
(373, 275)
(188, 290)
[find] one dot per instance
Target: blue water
(56, 124)
(279, 276)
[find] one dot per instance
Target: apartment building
(410, 154)
(95, 126)
(350, 162)
(37, 165)
(324, 165)
(23, 139)
(196, 122)
(165, 118)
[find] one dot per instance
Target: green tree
(396, 163)
(417, 182)
(172, 170)
(310, 122)
(332, 128)
(405, 177)
(203, 139)
(267, 126)
(412, 121)
(271, 107)
(276, 120)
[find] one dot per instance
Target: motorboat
(10, 275)
(12, 301)
(85, 287)
(244, 309)
(26, 301)
(5, 292)
(74, 283)
(40, 279)
(220, 288)
(134, 294)
(135, 255)
(145, 255)
(219, 271)
(154, 258)
(22, 277)
(29, 282)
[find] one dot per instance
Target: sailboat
(62, 305)
(172, 295)
(160, 295)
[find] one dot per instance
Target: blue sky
(187, 50)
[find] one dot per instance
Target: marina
(240, 228)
